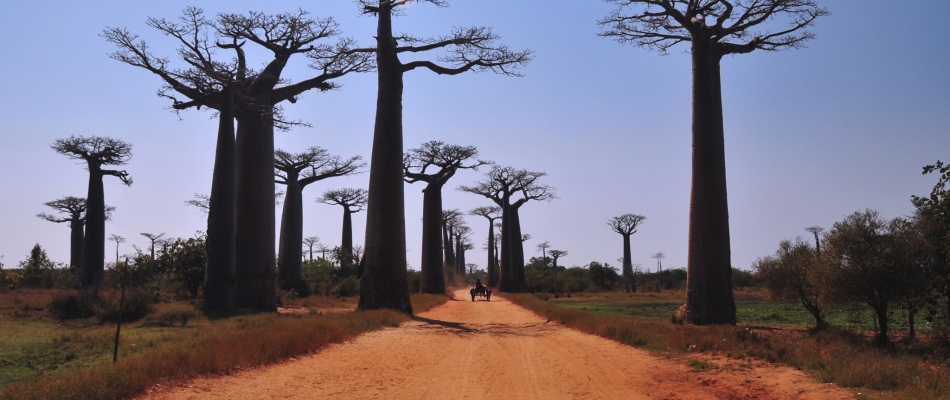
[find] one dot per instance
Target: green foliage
(185, 260)
(137, 304)
(415, 281)
(348, 287)
(37, 270)
(603, 275)
(320, 275)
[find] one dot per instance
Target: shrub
(71, 306)
(137, 304)
(348, 287)
(415, 281)
(37, 269)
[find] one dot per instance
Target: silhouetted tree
(500, 184)
(626, 225)
(490, 213)
(555, 254)
(543, 247)
(794, 273)
(435, 163)
(462, 234)
(201, 202)
(75, 210)
(310, 242)
(118, 240)
(449, 219)
(815, 230)
(323, 250)
(153, 238)
(659, 256)
(96, 152)
(252, 97)
(296, 171)
(662, 24)
(352, 201)
(384, 283)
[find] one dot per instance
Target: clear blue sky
(811, 135)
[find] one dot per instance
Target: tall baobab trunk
(219, 270)
(459, 261)
(384, 282)
(75, 244)
(709, 280)
(517, 253)
(255, 267)
(492, 277)
(432, 271)
(462, 268)
(94, 240)
(346, 242)
(447, 246)
(629, 283)
(291, 237)
(505, 273)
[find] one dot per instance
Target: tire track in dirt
(495, 350)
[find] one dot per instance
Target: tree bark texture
(449, 259)
(517, 250)
(431, 265)
(384, 282)
(76, 233)
(94, 240)
(709, 297)
(492, 273)
(346, 242)
(628, 279)
(220, 247)
(255, 266)
(290, 251)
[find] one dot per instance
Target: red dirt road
(497, 350)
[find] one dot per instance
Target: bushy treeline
(883, 264)
(542, 276)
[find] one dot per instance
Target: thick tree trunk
(75, 245)
(449, 259)
(431, 266)
(255, 266)
(492, 273)
(290, 250)
(384, 282)
(94, 239)
(911, 329)
(709, 280)
(346, 243)
(219, 270)
(462, 269)
(628, 281)
(458, 256)
(517, 251)
(505, 275)
(882, 324)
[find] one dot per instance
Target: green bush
(348, 287)
(415, 281)
(71, 306)
(137, 304)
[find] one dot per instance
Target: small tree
(352, 201)
(96, 152)
(153, 238)
(37, 268)
(626, 225)
(795, 273)
(435, 163)
(555, 255)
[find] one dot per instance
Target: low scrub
(219, 347)
(834, 355)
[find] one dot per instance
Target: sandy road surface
(497, 350)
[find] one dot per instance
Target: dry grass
(840, 356)
(218, 347)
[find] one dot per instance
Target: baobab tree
(296, 171)
(74, 209)
(323, 250)
(449, 219)
(118, 240)
(659, 256)
(499, 185)
(626, 225)
(153, 238)
(556, 254)
(462, 234)
(543, 247)
(384, 283)
(662, 24)
(815, 230)
(242, 249)
(310, 242)
(491, 213)
(352, 201)
(96, 152)
(435, 163)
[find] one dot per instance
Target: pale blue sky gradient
(811, 135)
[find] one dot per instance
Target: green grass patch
(174, 343)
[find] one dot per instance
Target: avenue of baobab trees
(242, 271)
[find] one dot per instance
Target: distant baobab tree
(626, 225)
(296, 171)
(556, 254)
(435, 163)
(323, 250)
(74, 209)
(310, 242)
(499, 185)
(816, 230)
(491, 213)
(118, 240)
(662, 24)
(659, 256)
(96, 152)
(352, 201)
(450, 218)
(543, 247)
(525, 237)
(152, 239)
(252, 97)
(462, 234)
(384, 283)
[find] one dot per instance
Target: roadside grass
(835, 355)
(175, 343)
